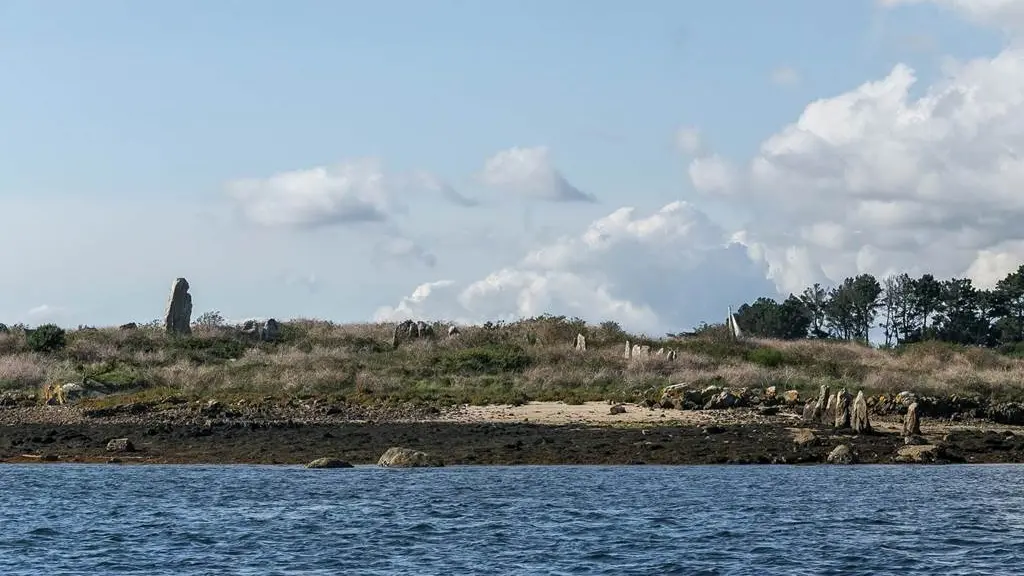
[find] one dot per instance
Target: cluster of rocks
(643, 352)
(417, 330)
(839, 410)
(394, 457)
(685, 397)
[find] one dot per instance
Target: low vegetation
(496, 363)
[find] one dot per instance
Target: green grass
(491, 364)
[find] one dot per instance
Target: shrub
(492, 359)
(767, 357)
(46, 338)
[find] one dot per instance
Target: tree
(814, 300)
(852, 307)
(927, 296)
(767, 318)
(1009, 306)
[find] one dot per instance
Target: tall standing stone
(629, 349)
(581, 343)
(859, 415)
(178, 319)
(912, 422)
(821, 404)
(842, 409)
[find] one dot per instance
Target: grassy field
(511, 363)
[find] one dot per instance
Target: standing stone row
(839, 411)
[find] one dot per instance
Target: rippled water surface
(71, 519)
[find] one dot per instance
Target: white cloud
(876, 181)
(354, 191)
(404, 249)
(712, 174)
(785, 76)
(1004, 14)
(689, 141)
(530, 172)
(435, 184)
(666, 271)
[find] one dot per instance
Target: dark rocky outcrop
(328, 463)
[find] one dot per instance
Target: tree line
(905, 309)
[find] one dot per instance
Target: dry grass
(528, 360)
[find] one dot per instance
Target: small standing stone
(627, 354)
(912, 422)
(842, 409)
(859, 416)
(821, 403)
(178, 319)
(581, 343)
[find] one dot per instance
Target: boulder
(842, 409)
(635, 351)
(178, 318)
(859, 415)
(328, 463)
(453, 330)
(808, 413)
(265, 331)
(617, 409)
(128, 326)
(397, 457)
(791, 397)
(911, 422)
(120, 445)
(722, 400)
(771, 394)
(671, 355)
(424, 330)
(917, 453)
(906, 398)
(841, 454)
(804, 437)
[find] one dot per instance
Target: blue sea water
(253, 520)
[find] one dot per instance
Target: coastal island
(547, 390)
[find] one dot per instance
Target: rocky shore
(534, 433)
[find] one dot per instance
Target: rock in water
(396, 457)
(178, 319)
(859, 415)
(842, 409)
(911, 422)
(841, 454)
(328, 463)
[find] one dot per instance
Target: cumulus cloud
(785, 76)
(531, 173)
(665, 271)
(354, 191)
(1005, 14)
(435, 184)
(405, 249)
(875, 180)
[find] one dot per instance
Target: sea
(66, 519)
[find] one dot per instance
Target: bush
(46, 338)
(767, 357)
(493, 359)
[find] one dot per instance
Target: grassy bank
(527, 360)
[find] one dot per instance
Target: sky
(649, 163)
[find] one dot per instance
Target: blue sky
(123, 123)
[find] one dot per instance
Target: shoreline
(536, 433)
